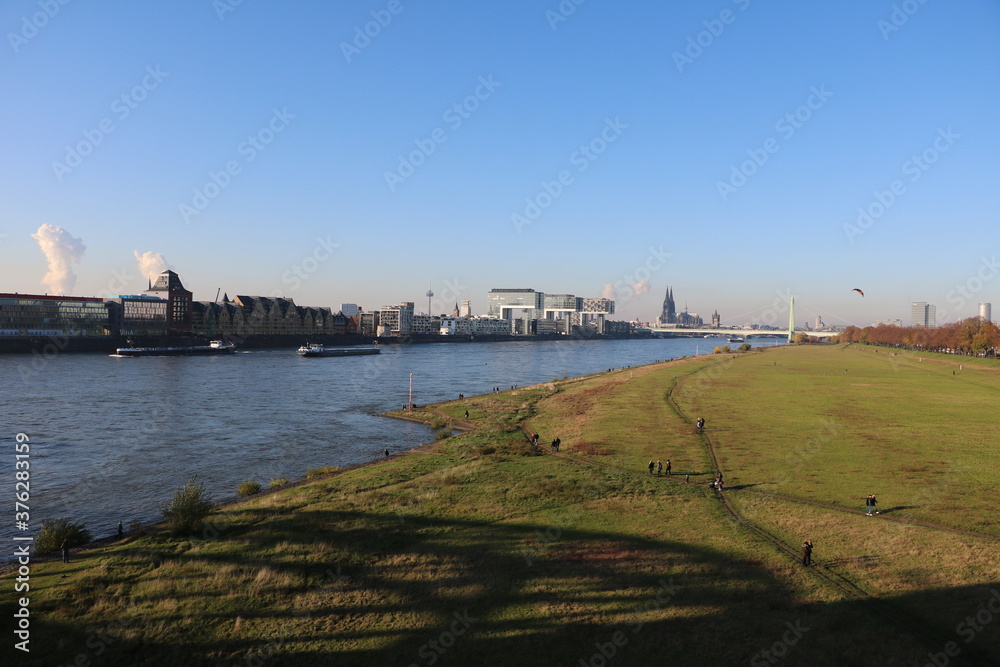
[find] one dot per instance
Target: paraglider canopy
(858, 291)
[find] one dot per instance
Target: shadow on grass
(896, 508)
(415, 590)
(739, 487)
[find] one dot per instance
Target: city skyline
(739, 151)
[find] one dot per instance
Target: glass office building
(43, 315)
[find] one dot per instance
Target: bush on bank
(186, 511)
(54, 531)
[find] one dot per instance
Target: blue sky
(723, 148)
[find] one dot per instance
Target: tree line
(973, 336)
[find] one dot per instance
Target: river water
(111, 438)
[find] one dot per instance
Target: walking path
(825, 572)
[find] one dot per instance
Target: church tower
(669, 314)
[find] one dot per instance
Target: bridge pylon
(791, 319)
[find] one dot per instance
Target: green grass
(833, 424)
(546, 558)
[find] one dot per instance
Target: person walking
(121, 530)
(668, 466)
(870, 504)
(651, 464)
(659, 467)
(807, 550)
(466, 414)
(64, 547)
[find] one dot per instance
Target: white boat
(320, 350)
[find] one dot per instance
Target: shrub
(745, 347)
(442, 432)
(717, 350)
(590, 448)
(277, 481)
(185, 512)
(524, 448)
(248, 488)
(54, 531)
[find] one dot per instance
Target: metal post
(409, 403)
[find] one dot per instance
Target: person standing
(64, 547)
(121, 530)
(870, 504)
(659, 467)
(807, 550)
(668, 466)
(651, 464)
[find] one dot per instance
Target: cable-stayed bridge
(790, 332)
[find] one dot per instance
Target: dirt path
(826, 572)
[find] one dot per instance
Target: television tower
(429, 295)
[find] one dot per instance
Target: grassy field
(479, 551)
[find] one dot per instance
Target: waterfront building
(716, 319)
(350, 309)
(137, 315)
(395, 320)
(557, 310)
(506, 303)
(426, 324)
(266, 316)
(466, 309)
(530, 312)
(180, 301)
(985, 312)
(596, 308)
(45, 315)
(480, 326)
(519, 306)
(923, 315)
(368, 324)
(455, 326)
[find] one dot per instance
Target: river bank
(555, 557)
